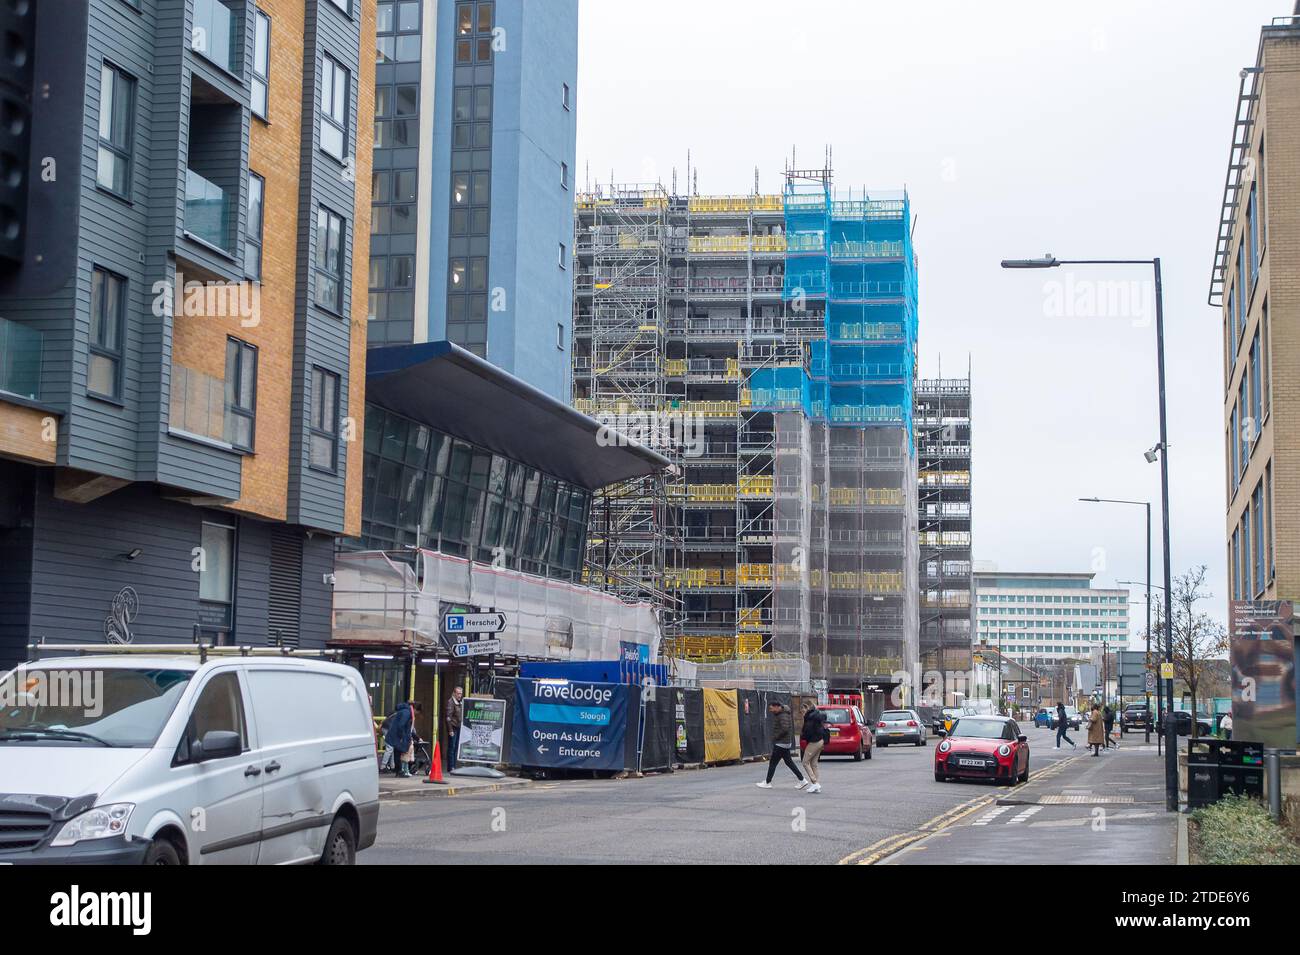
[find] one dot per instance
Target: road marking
(1022, 816)
(1072, 799)
(891, 844)
(989, 816)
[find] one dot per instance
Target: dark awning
(456, 392)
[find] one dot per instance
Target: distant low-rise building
(1035, 617)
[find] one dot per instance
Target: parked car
(1136, 717)
(274, 754)
(901, 726)
(1043, 717)
(850, 733)
(1072, 718)
(983, 747)
(1183, 724)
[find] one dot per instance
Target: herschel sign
(474, 622)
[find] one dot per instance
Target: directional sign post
(474, 622)
(476, 648)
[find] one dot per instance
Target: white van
(178, 758)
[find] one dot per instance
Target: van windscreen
(85, 706)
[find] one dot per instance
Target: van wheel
(161, 852)
(340, 844)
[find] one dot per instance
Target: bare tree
(1197, 638)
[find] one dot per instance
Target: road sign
(474, 622)
(1150, 681)
(478, 648)
(1166, 671)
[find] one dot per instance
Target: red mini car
(983, 747)
(850, 734)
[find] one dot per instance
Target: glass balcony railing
(213, 33)
(198, 403)
(20, 359)
(207, 210)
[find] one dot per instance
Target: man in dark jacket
(401, 723)
(1062, 724)
(813, 738)
(1108, 718)
(454, 716)
(782, 741)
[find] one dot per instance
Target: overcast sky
(1097, 130)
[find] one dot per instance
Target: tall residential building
(475, 134)
(775, 337)
(1256, 284)
(182, 321)
(943, 454)
(1036, 617)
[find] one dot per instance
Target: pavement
(391, 787)
(869, 812)
(1083, 810)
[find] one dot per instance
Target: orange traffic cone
(435, 770)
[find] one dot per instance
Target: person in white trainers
(813, 737)
(782, 741)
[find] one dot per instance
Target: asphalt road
(712, 815)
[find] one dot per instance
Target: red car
(850, 734)
(983, 747)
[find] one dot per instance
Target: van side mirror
(216, 744)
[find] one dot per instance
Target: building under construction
(768, 342)
(943, 452)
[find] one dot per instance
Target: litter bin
(1202, 772)
(1241, 768)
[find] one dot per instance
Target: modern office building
(1256, 284)
(943, 453)
(182, 319)
(771, 339)
(475, 133)
(1042, 617)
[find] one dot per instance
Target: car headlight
(945, 746)
(1004, 750)
(98, 823)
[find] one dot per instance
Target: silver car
(901, 726)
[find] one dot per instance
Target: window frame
(96, 348)
(343, 6)
(124, 152)
(564, 96)
(318, 270)
(249, 238)
(243, 349)
(263, 78)
(320, 376)
(328, 101)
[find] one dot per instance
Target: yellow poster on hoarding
(721, 726)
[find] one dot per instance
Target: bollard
(1273, 767)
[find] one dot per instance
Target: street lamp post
(1051, 262)
(1147, 505)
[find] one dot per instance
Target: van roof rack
(204, 650)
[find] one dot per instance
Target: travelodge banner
(569, 724)
(1263, 671)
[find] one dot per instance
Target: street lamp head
(1153, 455)
(1048, 261)
(1091, 500)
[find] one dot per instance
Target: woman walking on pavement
(1096, 730)
(814, 736)
(782, 740)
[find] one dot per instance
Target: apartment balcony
(212, 35)
(21, 348)
(209, 211)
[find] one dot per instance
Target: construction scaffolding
(783, 328)
(943, 447)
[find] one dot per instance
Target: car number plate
(970, 762)
(834, 731)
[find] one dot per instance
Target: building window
(253, 231)
(1257, 544)
(564, 95)
(217, 571)
(261, 64)
(324, 423)
(1267, 398)
(241, 393)
(329, 260)
(335, 82)
(564, 175)
(116, 125)
(1268, 522)
(561, 256)
(344, 5)
(1252, 230)
(107, 310)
